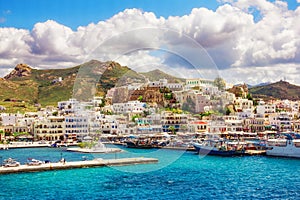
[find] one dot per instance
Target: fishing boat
(286, 146)
(219, 147)
(139, 144)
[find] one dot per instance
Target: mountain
(156, 74)
(278, 90)
(25, 86)
(260, 84)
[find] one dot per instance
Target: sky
(240, 40)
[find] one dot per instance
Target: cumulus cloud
(233, 38)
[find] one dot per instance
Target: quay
(17, 145)
(77, 164)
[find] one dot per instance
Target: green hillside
(25, 87)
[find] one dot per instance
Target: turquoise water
(178, 175)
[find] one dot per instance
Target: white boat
(219, 147)
(285, 147)
(99, 147)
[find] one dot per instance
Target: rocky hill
(157, 74)
(21, 70)
(278, 90)
(28, 86)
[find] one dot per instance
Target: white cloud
(235, 41)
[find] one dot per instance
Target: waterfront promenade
(77, 164)
(15, 145)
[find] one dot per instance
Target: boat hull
(130, 144)
(284, 152)
(283, 148)
(213, 151)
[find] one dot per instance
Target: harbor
(77, 164)
(173, 171)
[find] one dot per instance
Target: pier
(77, 164)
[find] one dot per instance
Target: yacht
(284, 146)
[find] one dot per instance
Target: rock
(21, 70)
(239, 90)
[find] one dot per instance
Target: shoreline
(31, 145)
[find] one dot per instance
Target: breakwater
(77, 164)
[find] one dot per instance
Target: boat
(139, 144)
(286, 146)
(10, 163)
(219, 147)
(98, 147)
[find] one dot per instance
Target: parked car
(10, 163)
(34, 162)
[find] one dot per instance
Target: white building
(134, 107)
(198, 82)
(233, 123)
(265, 109)
(282, 121)
(50, 128)
(68, 106)
(243, 104)
(76, 126)
(246, 113)
(177, 121)
(9, 119)
(161, 83)
(216, 126)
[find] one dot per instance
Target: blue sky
(74, 13)
(240, 37)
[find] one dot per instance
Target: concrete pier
(77, 164)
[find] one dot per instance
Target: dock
(77, 164)
(31, 145)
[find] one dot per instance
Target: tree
(249, 97)
(172, 130)
(228, 111)
(133, 118)
(102, 104)
(140, 98)
(220, 83)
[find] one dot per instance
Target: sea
(177, 175)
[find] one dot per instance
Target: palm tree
(172, 129)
